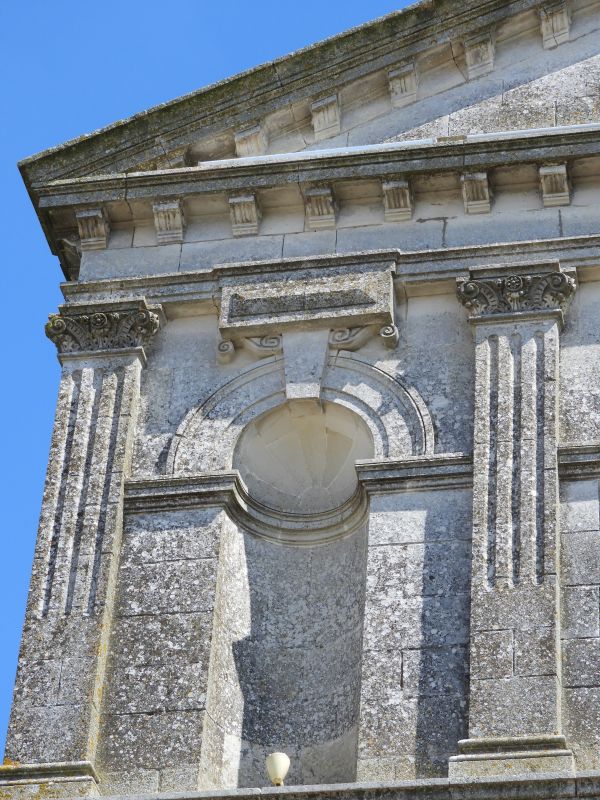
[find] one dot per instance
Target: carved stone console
(57, 697)
(306, 312)
(515, 715)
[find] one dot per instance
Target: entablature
(252, 196)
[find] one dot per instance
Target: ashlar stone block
(511, 706)
(580, 612)
(492, 654)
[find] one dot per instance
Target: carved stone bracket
(261, 346)
(93, 227)
(245, 214)
(555, 185)
(351, 339)
(264, 346)
(555, 23)
(516, 293)
(320, 208)
(477, 195)
(169, 221)
(479, 54)
(326, 116)
(403, 84)
(397, 200)
(251, 141)
(107, 326)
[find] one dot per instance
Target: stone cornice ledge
(349, 163)
(227, 490)
(417, 473)
(579, 462)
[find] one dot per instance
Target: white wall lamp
(278, 765)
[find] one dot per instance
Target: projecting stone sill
(516, 787)
(541, 786)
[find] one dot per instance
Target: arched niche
(287, 639)
(299, 457)
(395, 414)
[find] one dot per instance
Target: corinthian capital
(510, 294)
(106, 326)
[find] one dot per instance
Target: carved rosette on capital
(70, 605)
(514, 710)
(108, 327)
(516, 293)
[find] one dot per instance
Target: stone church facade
(324, 470)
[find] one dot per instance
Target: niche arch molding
(394, 412)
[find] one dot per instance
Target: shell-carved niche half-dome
(299, 457)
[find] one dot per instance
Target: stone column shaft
(514, 710)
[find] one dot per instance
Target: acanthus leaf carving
(109, 327)
(516, 293)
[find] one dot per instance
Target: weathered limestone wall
(155, 694)
(415, 664)
(286, 660)
(345, 502)
(580, 528)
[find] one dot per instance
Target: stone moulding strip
(579, 462)
(227, 490)
(417, 473)
(60, 771)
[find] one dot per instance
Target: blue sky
(70, 67)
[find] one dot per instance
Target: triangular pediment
(426, 71)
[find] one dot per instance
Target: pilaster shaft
(70, 603)
(515, 658)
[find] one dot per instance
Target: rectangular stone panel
(580, 612)
(173, 586)
(510, 706)
(424, 516)
(492, 654)
(581, 662)
(309, 298)
(151, 740)
(580, 558)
